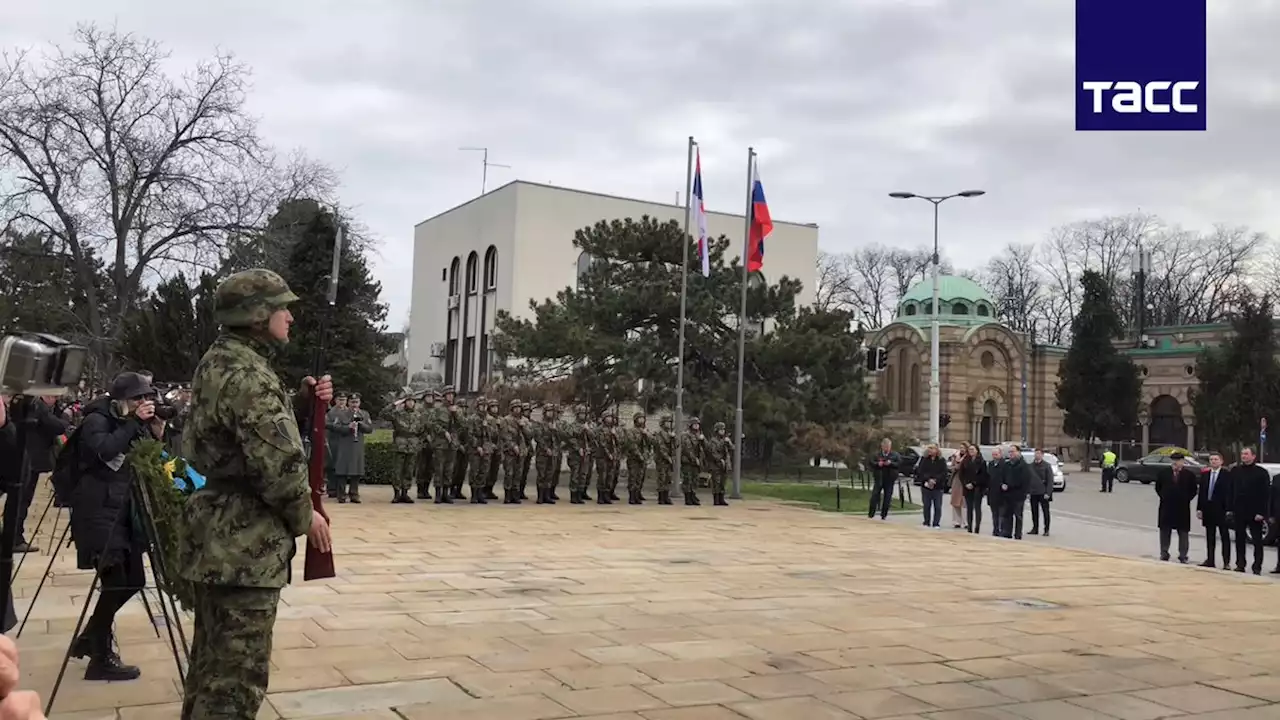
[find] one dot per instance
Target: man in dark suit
(1212, 505)
(1250, 495)
(1176, 486)
(1017, 476)
(884, 470)
(996, 471)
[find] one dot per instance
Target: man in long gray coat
(349, 428)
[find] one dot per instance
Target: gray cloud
(845, 100)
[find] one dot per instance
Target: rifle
(318, 565)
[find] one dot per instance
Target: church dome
(959, 299)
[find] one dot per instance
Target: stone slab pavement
(758, 611)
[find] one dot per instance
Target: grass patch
(824, 497)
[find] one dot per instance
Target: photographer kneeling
(103, 525)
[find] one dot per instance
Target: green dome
(961, 301)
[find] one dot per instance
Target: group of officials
(1242, 498)
(441, 442)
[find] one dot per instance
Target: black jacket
(996, 471)
(1176, 493)
(1041, 480)
(973, 471)
(42, 434)
(932, 468)
(1017, 476)
(1214, 509)
(101, 504)
(1250, 491)
(889, 471)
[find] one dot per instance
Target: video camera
(40, 364)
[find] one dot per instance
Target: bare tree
(1017, 287)
(118, 161)
(836, 284)
(873, 292)
(1198, 278)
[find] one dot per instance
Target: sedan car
(1145, 470)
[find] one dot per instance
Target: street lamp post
(935, 351)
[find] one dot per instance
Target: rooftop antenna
(484, 176)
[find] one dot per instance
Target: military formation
(443, 443)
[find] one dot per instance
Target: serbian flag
(761, 223)
(700, 217)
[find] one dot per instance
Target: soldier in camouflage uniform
(513, 448)
(577, 452)
(240, 528)
(664, 446)
(692, 446)
(494, 420)
(445, 427)
(637, 446)
(719, 456)
(547, 448)
(526, 423)
(604, 451)
(479, 451)
(564, 428)
(406, 438)
(426, 458)
(463, 459)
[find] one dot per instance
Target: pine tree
(171, 330)
(356, 345)
(1098, 388)
(1240, 379)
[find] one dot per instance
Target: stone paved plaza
(758, 611)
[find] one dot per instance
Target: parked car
(1059, 475)
(1145, 469)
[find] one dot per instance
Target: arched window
(913, 392)
(471, 273)
(928, 308)
(959, 309)
(904, 380)
(910, 309)
(490, 268)
(584, 264)
(983, 311)
(454, 267)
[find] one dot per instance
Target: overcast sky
(845, 100)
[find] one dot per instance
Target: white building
(515, 244)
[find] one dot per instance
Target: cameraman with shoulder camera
(102, 521)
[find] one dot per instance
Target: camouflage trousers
(662, 470)
(604, 471)
(579, 472)
(718, 477)
(230, 652)
(636, 468)
(526, 465)
(461, 461)
(557, 462)
(404, 470)
(426, 462)
(512, 465)
(689, 478)
(544, 472)
(478, 472)
(443, 470)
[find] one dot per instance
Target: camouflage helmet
(718, 427)
(638, 418)
(664, 420)
(695, 421)
(248, 298)
(447, 390)
(515, 405)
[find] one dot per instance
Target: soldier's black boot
(524, 485)
(489, 494)
(602, 498)
(404, 497)
(456, 492)
(447, 495)
(551, 493)
(439, 500)
(542, 497)
(477, 497)
(575, 497)
(424, 492)
(633, 497)
(691, 498)
(664, 497)
(508, 497)
(395, 496)
(105, 664)
(719, 499)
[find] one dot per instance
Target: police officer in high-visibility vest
(1108, 471)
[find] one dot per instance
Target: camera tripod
(138, 511)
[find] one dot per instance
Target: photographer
(43, 427)
(102, 521)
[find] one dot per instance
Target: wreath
(155, 471)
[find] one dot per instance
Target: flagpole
(677, 427)
(742, 327)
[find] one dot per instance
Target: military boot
(664, 497)
(404, 497)
(105, 664)
(524, 485)
(691, 498)
(440, 495)
(396, 494)
(633, 497)
(551, 493)
(586, 496)
(719, 499)
(455, 492)
(575, 497)
(424, 492)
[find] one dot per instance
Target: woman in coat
(103, 523)
(974, 477)
(957, 487)
(931, 473)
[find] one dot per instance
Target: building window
(910, 309)
(453, 275)
(959, 309)
(584, 264)
(928, 308)
(983, 311)
(490, 268)
(471, 274)
(988, 360)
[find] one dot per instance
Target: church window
(988, 359)
(910, 309)
(983, 310)
(959, 309)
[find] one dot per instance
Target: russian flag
(761, 223)
(700, 217)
